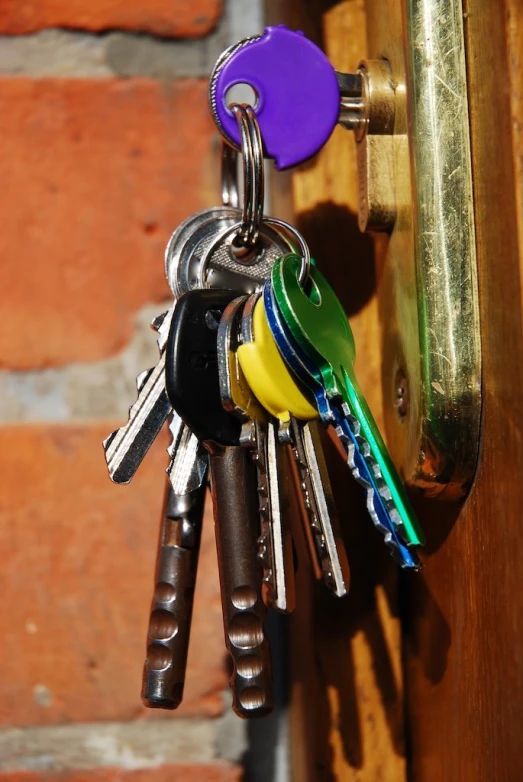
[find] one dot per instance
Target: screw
(402, 394)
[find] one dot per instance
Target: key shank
(172, 606)
(233, 481)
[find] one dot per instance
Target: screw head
(402, 394)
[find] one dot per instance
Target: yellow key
(274, 386)
(266, 372)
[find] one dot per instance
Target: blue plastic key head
(298, 101)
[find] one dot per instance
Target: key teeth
(141, 380)
(118, 445)
(314, 523)
(161, 324)
(263, 553)
(108, 440)
(158, 321)
(187, 471)
(374, 469)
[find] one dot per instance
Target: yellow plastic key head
(265, 370)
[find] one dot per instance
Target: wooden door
(421, 677)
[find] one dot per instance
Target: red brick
(95, 177)
(176, 18)
(77, 579)
(217, 772)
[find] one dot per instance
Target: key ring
(305, 258)
(267, 221)
(230, 196)
(253, 184)
(248, 230)
(253, 174)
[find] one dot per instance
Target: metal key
(318, 500)
(277, 391)
(275, 550)
(211, 260)
(316, 342)
(126, 447)
(171, 611)
(305, 370)
(193, 385)
(190, 240)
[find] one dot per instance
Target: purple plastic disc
(298, 101)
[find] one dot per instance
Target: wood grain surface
(465, 634)
(462, 619)
(347, 694)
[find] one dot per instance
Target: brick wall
(106, 144)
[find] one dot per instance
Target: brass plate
(428, 289)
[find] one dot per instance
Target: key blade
(236, 526)
(172, 605)
(365, 469)
(254, 436)
(162, 324)
(319, 503)
(354, 408)
(277, 536)
(188, 467)
(126, 447)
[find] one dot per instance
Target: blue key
(334, 412)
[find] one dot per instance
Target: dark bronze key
(171, 611)
(192, 382)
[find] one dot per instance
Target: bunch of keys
(256, 354)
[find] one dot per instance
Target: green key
(317, 323)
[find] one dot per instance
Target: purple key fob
(298, 102)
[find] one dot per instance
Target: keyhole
(241, 93)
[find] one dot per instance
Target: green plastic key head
(318, 323)
(316, 320)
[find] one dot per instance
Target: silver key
(260, 435)
(126, 447)
(329, 555)
(189, 241)
(277, 538)
(209, 259)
